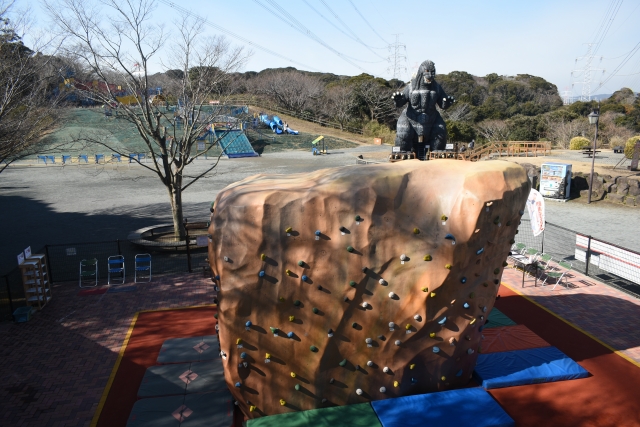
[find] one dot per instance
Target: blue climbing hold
(248, 324)
(318, 232)
(463, 280)
(304, 278)
(261, 274)
(449, 237)
(436, 349)
(521, 212)
(238, 384)
(290, 334)
(466, 305)
(442, 321)
(217, 277)
(414, 381)
(243, 355)
(479, 251)
(459, 374)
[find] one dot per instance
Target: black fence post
(46, 252)
(6, 281)
(588, 255)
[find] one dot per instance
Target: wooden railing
(508, 149)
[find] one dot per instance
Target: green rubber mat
(361, 414)
(210, 377)
(498, 318)
(191, 349)
(209, 410)
(182, 378)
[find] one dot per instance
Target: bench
(590, 152)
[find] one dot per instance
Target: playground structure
(325, 310)
(492, 150)
(277, 125)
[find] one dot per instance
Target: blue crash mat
(190, 349)
(520, 367)
(453, 408)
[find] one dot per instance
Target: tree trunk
(175, 195)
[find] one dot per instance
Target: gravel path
(84, 203)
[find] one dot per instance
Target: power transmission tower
(586, 73)
(397, 59)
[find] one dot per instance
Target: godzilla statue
(420, 126)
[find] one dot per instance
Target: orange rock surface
(419, 244)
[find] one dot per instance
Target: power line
(397, 58)
(622, 64)
(367, 22)
(614, 13)
(234, 35)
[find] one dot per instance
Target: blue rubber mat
(453, 408)
(182, 378)
(521, 367)
(193, 410)
(191, 349)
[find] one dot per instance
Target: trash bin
(22, 314)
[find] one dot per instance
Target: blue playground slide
(276, 125)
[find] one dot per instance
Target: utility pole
(397, 59)
(586, 73)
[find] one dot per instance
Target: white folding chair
(115, 265)
(142, 265)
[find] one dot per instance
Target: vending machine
(555, 180)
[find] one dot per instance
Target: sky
(348, 37)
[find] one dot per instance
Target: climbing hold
(381, 337)
(450, 237)
(357, 367)
(289, 230)
(319, 287)
(248, 324)
(452, 341)
(315, 310)
(359, 392)
(358, 218)
(417, 317)
(343, 363)
(267, 355)
(226, 259)
(297, 387)
(243, 355)
(313, 348)
(484, 309)
(252, 408)
(470, 351)
(283, 402)
(427, 258)
(324, 400)
(288, 272)
(414, 381)
(289, 334)
(425, 289)
(403, 257)
(472, 321)
(391, 326)
(432, 334)
(364, 269)
(352, 284)
(349, 248)
(292, 318)
(217, 277)
(467, 337)
(466, 305)
(412, 366)
(300, 263)
(496, 220)
(346, 299)
(447, 266)
(383, 389)
(293, 374)
(365, 304)
(521, 212)
(354, 325)
(505, 263)
(261, 274)
(382, 282)
(215, 316)
(433, 294)
(392, 295)
(398, 342)
(407, 326)
(369, 363)
(416, 231)
(471, 295)
(238, 384)
(385, 369)
(459, 373)
(239, 341)
(443, 378)
(343, 229)
(444, 217)
(281, 299)
(496, 271)
(330, 333)
(436, 349)
(442, 321)
(263, 257)
(485, 284)
(496, 281)
(453, 301)
(463, 280)
(479, 251)
(332, 380)
(508, 223)
(296, 303)
(396, 383)
(274, 331)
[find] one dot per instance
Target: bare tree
(26, 107)
(560, 131)
(289, 89)
(377, 99)
(117, 41)
(459, 113)
(493, 130)
(339, 103)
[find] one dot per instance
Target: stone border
(138, 238)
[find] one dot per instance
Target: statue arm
(401, 98)
(444, 101)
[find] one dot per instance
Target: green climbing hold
(496, 271)
(512, 241)
(352, 284)
(354, 325)
(297, 386)
(349, 248)
(358, 218)
(296, 302)
(496, 220)
(315, 310)
(343, 363)
(215, 316)
(485, 284)
(505, 263)
(300, 263)
(313, 348)
(274, 330)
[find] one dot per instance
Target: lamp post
(593, 120)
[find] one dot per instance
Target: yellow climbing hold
(263, 257)
(283, 402)
(292, 318)
(413, 365)
(443, 378)
(427, 258)
(288, 272)
(416, 231)
(267, 356)
(433, 294)
(472, 321)
(293, 374)
(432, 334)
(239, 341)
(425, 289)
(396, 383)
(444, 217)
(289, 230)
(448, 266)
(407, 326)
(281, 298)
(252, 408)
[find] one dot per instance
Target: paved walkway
(604, 312)
(55, 367)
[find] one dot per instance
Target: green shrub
(579, 143)
(628, 148)
(373, 129)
